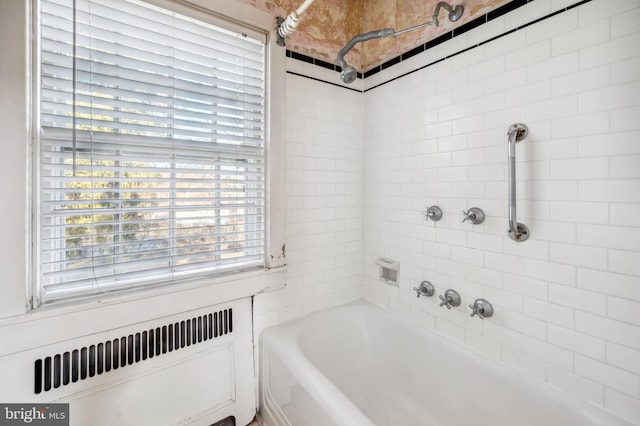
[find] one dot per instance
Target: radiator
(195, 367)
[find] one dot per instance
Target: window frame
(273, 158)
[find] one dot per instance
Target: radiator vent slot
(79, 364)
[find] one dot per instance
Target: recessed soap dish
(388, 271)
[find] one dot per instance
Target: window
(151, 147)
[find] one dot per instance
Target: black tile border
(513, 5)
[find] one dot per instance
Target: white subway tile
(618, 237)
(624, 262)
(468, 157)
(625, 214)
(505, 299)
(623, 357)
(581, 168)
(553, 190)
(503, 334)
(484, 276)
(468, 91)
(580, 212)
(625, 119)
(534, 366)
(625, 23)
(491, 102)
(610, 51)
(449, 330)
(468, 256)
(553, 231)
(505, 81)
(620, 96)
(534, 53)
(442, 159)
(487, 347)
(608, 329)
(511, 114)
(553, 67)
(552, 149)
(504, 263)
(468, 124)
(526, 14)
(468, 189)
(552, 27)
(581, 81)
(625, 167)
(550, 312)
(580, 125)
(572, 254)
(554, 272)
(578, 299)
(585, 36)
(503, 45)
(526, 325)
(552, 354)
(454, 269)
(576, 385)
(625, 71)
(578, 342)
(553, 108)
(528, 93)
(609, 283)
(624, 310)
(623, 190)
(610, 376)
(525, 286)
(452, 174)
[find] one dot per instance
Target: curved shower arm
(360, 38)
(348, 74)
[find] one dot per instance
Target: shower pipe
(289, 25)
(517, 132)
(349, 73)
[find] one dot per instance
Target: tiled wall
(324, 196)
(567, 300)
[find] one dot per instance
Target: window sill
(162, 300)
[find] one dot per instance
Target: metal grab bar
(517, 132)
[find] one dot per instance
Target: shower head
(456, 13)
(349, 74)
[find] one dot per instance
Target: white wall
(567, 300)
(324, 196)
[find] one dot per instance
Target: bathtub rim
(289, 331)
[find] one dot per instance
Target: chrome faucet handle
(451, 298)
(424, 289)
(474, 215)
(482, 308)
(434, 213)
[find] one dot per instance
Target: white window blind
(151, 153)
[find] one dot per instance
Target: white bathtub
(358, 364)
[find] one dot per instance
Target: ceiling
(328, 25)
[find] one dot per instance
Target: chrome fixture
(434, 213)
(482, 308)
(451, 298)
(474, 215)
(424, 289)
(517, 132)
(349, 73)
(455, 12)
